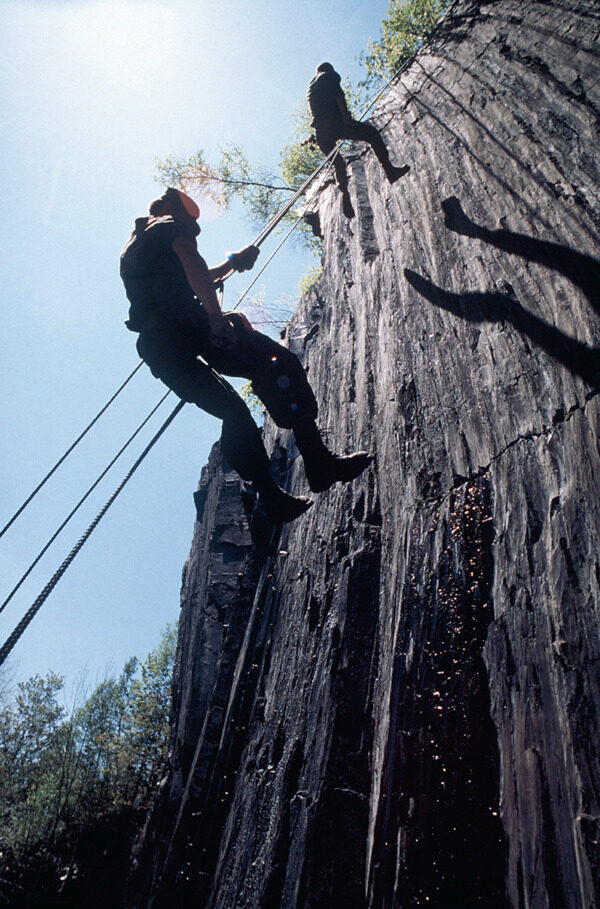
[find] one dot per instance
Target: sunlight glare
(121, 39)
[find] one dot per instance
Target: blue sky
(92, 92)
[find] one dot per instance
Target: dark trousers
(277, 377)
(329, 133)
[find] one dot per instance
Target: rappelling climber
(176, 311)
(332, 121)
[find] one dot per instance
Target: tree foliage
(262, 189)
(408, 24)
(258, 188)
(65, 773)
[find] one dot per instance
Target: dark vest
(154, 279)
(321, 94)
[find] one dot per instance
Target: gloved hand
(239, 320)
(222, 334)
(244, 259)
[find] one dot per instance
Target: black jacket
(154, 278)
(322, 93)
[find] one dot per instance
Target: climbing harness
(267, 230)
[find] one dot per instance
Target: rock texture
(394, 702)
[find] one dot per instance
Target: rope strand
(68, 451)
(272, 224)
(273, 254)
(80, 502)
(35, 607)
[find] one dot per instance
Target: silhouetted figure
(176, 311)
(332, 121)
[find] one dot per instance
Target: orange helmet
(186, 202)
(177, 202)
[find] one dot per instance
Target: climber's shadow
(494, 306)
(581, 269)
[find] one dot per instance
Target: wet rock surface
(394, 701)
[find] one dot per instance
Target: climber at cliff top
(332, 121)
(175, 309)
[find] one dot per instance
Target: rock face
(395, 701)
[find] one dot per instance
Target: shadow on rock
(581, 269)
(493, 306)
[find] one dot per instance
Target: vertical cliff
(395, 701)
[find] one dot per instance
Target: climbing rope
(273, 254)
(22, 508)
(35, 607)
(81, 501)
(270, 227)
(267, 230)
(369, 103)
(246, 656)
(399, 71)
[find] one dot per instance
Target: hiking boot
(394, 173)
(280, 506)
(323, 473)
(455, 218)
(312, 219)
(347, 205)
